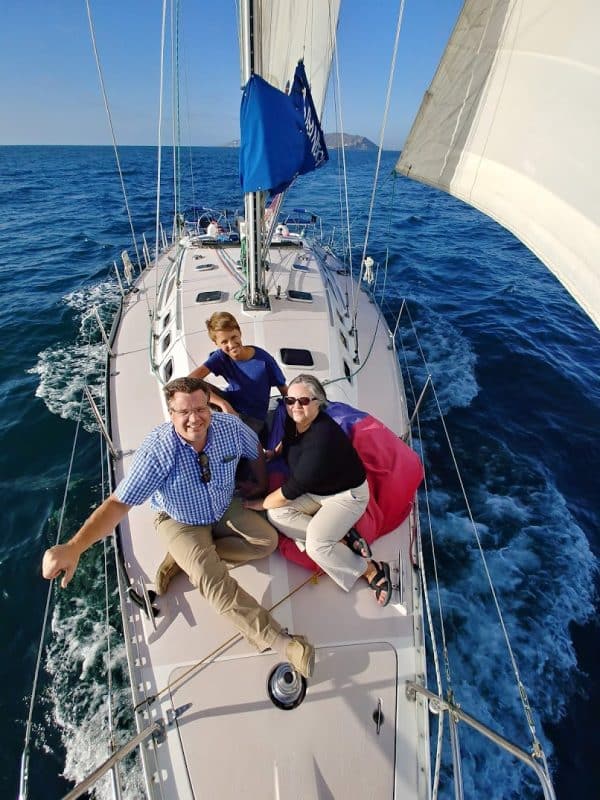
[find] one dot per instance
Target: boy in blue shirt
(249, 371)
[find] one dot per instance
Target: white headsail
(510, 124)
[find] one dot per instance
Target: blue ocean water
(516, 366)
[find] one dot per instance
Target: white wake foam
(77, 660)
(450, 361)
(542, 569)
(64, 369)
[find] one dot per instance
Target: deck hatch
(204, 267)
(299, 297)
(211, 297)
(296, 357)
(349, 684)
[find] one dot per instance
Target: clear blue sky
(49, 91)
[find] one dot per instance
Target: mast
(253, 201)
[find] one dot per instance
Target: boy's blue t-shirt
(249, 381)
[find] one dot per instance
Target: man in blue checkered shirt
(186, 467)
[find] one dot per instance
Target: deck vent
(294, 357)
(211, 297)
(300, 266)
(299, 297)
(205, 267)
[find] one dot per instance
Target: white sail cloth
(288, 32)
(511, 125)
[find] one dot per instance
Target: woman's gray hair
(316, 386)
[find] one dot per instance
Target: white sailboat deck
(232, 740)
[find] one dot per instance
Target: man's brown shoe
(301, 655)
(165, 573)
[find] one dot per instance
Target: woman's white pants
(319, 522)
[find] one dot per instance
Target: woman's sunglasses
(304, 401)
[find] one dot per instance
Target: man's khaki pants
(204, 553)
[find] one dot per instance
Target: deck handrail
(157, 727)
(412, 689)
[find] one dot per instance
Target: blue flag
(280, 134)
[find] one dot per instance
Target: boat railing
(440, 705)
(424, 377)
(156, 729)
(103, 429)
(197, 221)
(298, 223)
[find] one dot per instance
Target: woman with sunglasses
(325, 494)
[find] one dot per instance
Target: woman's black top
(321, 460)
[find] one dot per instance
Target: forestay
(510, 124)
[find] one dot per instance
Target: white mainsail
(509, 125)
(288, 32)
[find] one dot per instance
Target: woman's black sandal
(383, 571)
(357, 543)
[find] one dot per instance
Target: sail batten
(508, 124)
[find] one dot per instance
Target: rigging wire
(379, 152)
(537, 749)
(107, 628)
(345, 205)
(423, 573)
(189, 130)
(423, 577)
(176, 116)
(536, 745)
(174, 109)
(24, 776)
(118, 162)
(112, 131)
(159, 143)
(371, 344)
(434, 646)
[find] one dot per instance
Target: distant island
(348, 141)
(334, 141)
